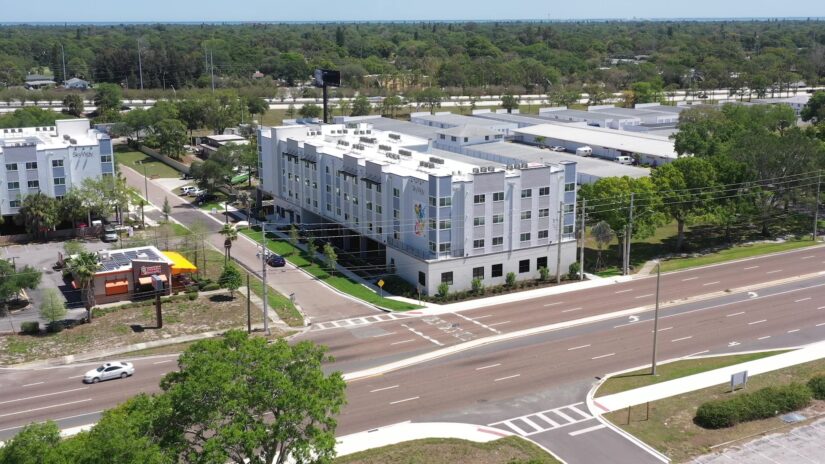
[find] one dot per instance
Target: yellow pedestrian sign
(381, 283)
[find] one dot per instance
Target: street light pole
(145, 182)
(263, 274)
(656, 318)
(816, 206)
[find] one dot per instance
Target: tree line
(382, 58)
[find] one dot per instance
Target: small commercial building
(445, 120)
(591, 118)
(131, 272)
(210, 144)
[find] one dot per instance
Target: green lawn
(675, 370)
(154, 168)
(510, 450)
(340, 283)
(736, 252)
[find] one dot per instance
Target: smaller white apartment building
(438, 217)
(50, 160)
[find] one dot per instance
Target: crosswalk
(358, 321)
(551, 419)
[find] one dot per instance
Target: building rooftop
(659, 108)
(121, 260)
(457, 120)
(65, 133)
(227, 138)
(468, 131)
(578, 114)
(522, 120)
(585, 165)
(632, 142)
(629, 112)
(393, 125)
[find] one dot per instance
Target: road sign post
(381, 286)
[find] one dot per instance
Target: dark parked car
(276, 260)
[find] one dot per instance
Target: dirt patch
(450, 451)
(134, 323)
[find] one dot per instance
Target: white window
(11, 166)
(31, 165)
(544, 212)
(478, 199)
(478, 243)
(498, 241)
(59, 181)
(527, 193)
(479, 221)
(569, 208)
(14, 203)
(544, 192)
(498, 196)
(14, 185)
(34, 184)
(544, 234)
(526, 215)
(105, 158)
(57, 163)
(525, 237)
(498, 218)
(445, 201)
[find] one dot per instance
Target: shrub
(573, 270)
(443, 289)
(54, 327)
(192, 295)
(761, 404)
(817, 387)
(30, 327)
(717, 414)
(510, 279)
(544, 273)
(478, 286)
(203, 283)
(211, 286)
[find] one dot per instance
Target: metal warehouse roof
(579, 114)
(395, 125)
(585, 165)
(523, 120)
(613, 139)
(458, 120)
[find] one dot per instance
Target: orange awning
(117, 287)
(148, 280)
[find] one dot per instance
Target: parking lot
(42, 256)
(803, 444)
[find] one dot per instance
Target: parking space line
(577, 347)
(421, 334)
(164, 362)
(604, 356)
(572, 309)
(563, 415)
(681, 339)
(624, 291)
(587, 430)
(403, 341)
(820, 325)
(757, 322)
(547, 419)
(764, 338)
(689, 279)
(382, 389)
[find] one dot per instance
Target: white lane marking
(752, 267)
(75, 376)
(499, 323)
(689, 279)
(403, 341)
(624, 291)
(487, 367)
(681, 339)
(807, 257)
(513, 426)
(801, 300)
(382, 389)
(33, 384)
(710, 283)
(552, 423)
(644, 296)
(477, 323)
(383, 335)
(736, 314)
(44, 407)
(820, 325)
(421, 334)
(164, 362)
(578, 347)
(587, 430)
(662, 330)
(821, 307)
(405, 400)
(757, 322)
(43, 395)
(563, 415)
(553, 304)
(483, 317)
(697, 354)
(507, 378)
(774, 272)
(572, 309)
(579, 411)
(764, 338)
(604, 356)
(793, 331)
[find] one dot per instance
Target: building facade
(436, 217)
(50, 160)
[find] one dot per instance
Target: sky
(377, 10)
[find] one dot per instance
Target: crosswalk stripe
(563, 415)
(552, 423)
(579, 411)
(515, 428)
(532, 424)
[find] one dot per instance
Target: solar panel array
(118, 260)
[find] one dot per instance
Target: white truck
(584, 151)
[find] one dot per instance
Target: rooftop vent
(403, 152)
(437, 160)
(395, 136)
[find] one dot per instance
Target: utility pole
(212, 69)
(263, 274)
(63, 54)
(140, 66)
(656, 317)
(581, 259)
(816, 206)
(248, 307)
(558, 245)
(629, 236)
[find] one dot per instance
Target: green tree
(290, 111)
(291, 67)
(222, 111)
(509, 102)
(170, 136)
(35, 444)
(603, 235)
(391, 105)
(73, 104)
(331, 257)
(193, 113)
(687, 187)
(814, 110)
(53, 307)
(312, 250)
(83, 268)
(293, 239)
(108, 97)
(257, 105)
(230, 234)
(12, 280)
(443, 290)
(39, 214)
(310, 111)
(137, 122)
(361, 106)
(73, 247)
(510, 279)
(263, 402)
(430, 97)
(231, 278)
(167, 209)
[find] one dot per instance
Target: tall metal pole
(656, 318)
(629, 236)
(326, 110)
(63, 54)
(248, 307)
(140, 66)
(558, 245)
(212, 69)
(816, 206)
(581, 259)
(145, 182)
(263, 274)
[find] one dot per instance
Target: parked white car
(187, 189)
(108, 371)
(557, 148)
(196, 192)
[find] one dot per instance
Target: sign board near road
(381, 283)
(738, 380)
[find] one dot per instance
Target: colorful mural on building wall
(420, 224)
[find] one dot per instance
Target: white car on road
(108, 371)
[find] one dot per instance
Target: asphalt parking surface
(800, 445)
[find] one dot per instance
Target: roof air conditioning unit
(475, 171)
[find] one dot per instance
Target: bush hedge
(192, 295)
(761, 404)
(211, 286)
(817, 387)
(30, 327)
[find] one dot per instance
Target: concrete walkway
(707, 379)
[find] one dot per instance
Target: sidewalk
(707, 379)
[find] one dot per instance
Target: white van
(624, 159)
(584, 151)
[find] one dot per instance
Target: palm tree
(603, 234)
(83, 267)
(246, 201)
(230, 234)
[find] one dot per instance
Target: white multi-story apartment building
(50, 160)
(436, 216)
